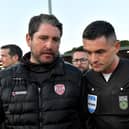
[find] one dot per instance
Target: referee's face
(102, 54)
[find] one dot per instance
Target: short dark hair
(79, 49)
(97, 29)
(35, 22)
(13, 50)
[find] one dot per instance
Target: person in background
(79, 59)
(11, 54)
(108, 81)
(42, 91)
(1, 67)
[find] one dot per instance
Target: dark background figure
(42, 91)
(79, 59)
(11, 54)
(108, 81)
(1, 67)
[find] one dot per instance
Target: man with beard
(42, 92)
(79, 59)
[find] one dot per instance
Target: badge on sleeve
(123, 102)
(59, 89)
(92, 103)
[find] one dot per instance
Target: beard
(44, 57)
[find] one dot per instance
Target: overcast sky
(74, 14)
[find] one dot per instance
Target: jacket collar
(57, 67)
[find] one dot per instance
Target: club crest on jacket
(59, 89)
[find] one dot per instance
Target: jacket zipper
(39, 104)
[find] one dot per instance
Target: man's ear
(15, 58)
(117, 46)
(28, 39)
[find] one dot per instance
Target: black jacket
(108, 102)
(41, 96)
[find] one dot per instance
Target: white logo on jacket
(92, 103)
(14, 93)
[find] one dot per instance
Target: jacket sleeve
(2, 114)
(87, 119)
(83, 106)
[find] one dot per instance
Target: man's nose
(93, 57)
(49, 44)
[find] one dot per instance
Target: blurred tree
(124, 43)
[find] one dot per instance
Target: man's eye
(100, 52)
(89, 53)
(56, 39)
(43, 38)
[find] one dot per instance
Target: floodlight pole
(50, 6)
